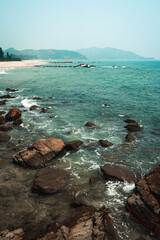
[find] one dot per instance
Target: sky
(132, 25)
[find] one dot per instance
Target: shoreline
(20, 64)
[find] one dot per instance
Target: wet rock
(11, 90)
(50, 180)
(85, 223)
(144, 203)
(157, 133)
(91, 125)
(110, 157)
(133, 127)
(2, 112)
(130, 121)
(95, 179)
(130, 138)
(2, 120)
(4, 137)
(121, 151)
(6, 96)
(74, 145)
(117, 173)
(37, 98)
(3, 102)
(18, 122)
(6, 128)
(105, 143)
(51, 116)
(34, 107)
(41, 152)
(13, 114)
(11, 145)
(43, 110)
(76, 191)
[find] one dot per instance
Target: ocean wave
(28, 102)
(109, 66)
(3, 71)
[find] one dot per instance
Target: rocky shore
(38, 176)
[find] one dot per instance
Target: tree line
(8, 57)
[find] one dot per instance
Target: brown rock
(2, 120)
(43, 110)
(129, 138)
(133, 127)
(6, 96)
(18, 122)
(110, 157)
(130, 121)
(144, 203)
(2, 112)
(74, 145)
(40, 153)
(91, 125)
(77, 190)
(50, 180)
(13, 114)
(105, 143)
(1, 162)
(34, 107)
(117, 173)
(3, 102)
(11, 90)
(4, 137)
(6, 128)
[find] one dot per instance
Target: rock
(117, 173)
(130, 138)
(11, 90)
(4, 137)
(13, 114)
(91, 125)
(94, 180)
(6, 128)
(110, 157)
(52, 116)
(6, 96)
(43, 110)
(1, 162)
(144, 202)
(77, 190)
(34, 107)
(50, 180)
(133, 127)
(85, 223)
(2, 112)
(37, 98)
(74, 145)
(2, 120)
(121, 151)
(157, 133)
(105, 143)
(14, 235)
(18, 122)
(3, 102)
(41, 152)
(130, 121)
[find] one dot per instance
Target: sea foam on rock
(144, 203)
(41, 152)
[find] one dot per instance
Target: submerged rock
(77, 190)
(91, 125)
(6, 128)
(117, 173)
(13, 114)
(11, 90)
(50, 180)
(4, 137)
(110, 157)
(74, 145)
(6, 96)
(130, 138)
(105, 143)
(85, 223)
(144, 203)
(41, 152)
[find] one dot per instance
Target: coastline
(20, 64)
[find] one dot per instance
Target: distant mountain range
(45, 54)
(92, 53)
(107, 53)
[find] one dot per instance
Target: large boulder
(85, 223)
(117, 173)
(4, 137)
(74, 145)
(13, 114)
(105, 143)
(144, 203)
(130, 138)
(133, 126)
(50, 180)
(41, 152)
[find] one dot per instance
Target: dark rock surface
(85, 223)
(144, 203)
(34, 107)
(2, 120)
(130, 121)
(18, 122)
(6, 128)
(74, 145)
(50, 180)
(105, 143)
(77, 190)
(6, 96)
(4, 137)
(133, 127)
(41, 152)
(13, 114)
(110, 157)
(91, 125)
(2, 112)
(3, 102)
(117, 173)
(129, 138)
(11, 90)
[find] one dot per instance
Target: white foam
(128, 187)
(123, 66)
(28, 102)
(2, 71)
(121, 115)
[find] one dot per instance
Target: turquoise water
(104, 95)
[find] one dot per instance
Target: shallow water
(105, 95)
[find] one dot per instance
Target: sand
(20, 64)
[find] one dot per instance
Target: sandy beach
(20, 64)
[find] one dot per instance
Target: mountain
(45, 54)
(107, 53)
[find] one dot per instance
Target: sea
(105, 95)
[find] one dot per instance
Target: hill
(45, 54)
(107, 53)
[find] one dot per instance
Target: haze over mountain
(108, 53)
(44, 54)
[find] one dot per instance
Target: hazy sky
(132, 25)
